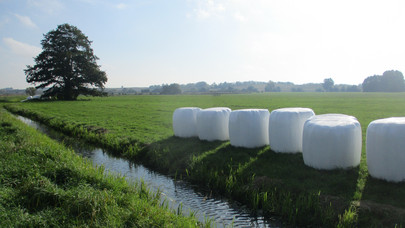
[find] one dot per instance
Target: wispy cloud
(21, 48)
(208, 8)
(26, 21)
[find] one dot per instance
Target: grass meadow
(140, 128)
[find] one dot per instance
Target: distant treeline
(389, 81)
(234, 88)
(246, 87)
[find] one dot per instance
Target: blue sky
(148, 42)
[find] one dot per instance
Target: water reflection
(175, 192)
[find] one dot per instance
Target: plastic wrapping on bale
(385, 149)
(286, 126)
(249, 128)
(331, 141)
(185, 122)
(212, 124)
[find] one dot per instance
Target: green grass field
(141, 128)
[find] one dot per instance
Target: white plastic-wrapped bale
(212, 124)
(185, 122)
(286, 126)
(331, 141)
(385, 149)
(249, 128)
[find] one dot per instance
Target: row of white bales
(327, 141)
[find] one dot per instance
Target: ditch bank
(231, 172)
(177, 195)
(43, 184)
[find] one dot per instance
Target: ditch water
(177, 193)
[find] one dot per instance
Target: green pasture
(140, 128)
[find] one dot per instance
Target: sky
(152, 42)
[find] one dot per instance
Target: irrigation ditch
(178, 194)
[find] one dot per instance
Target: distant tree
(297, 89)
(372, 84)
(155, 89)
(390, 81)
(171, 89)
(230, 89)
(30, 91)
(353, 88)
(328, 84)
(202, 87)
(67, 65)
(252, 89)
(271, 87)
(393, 81)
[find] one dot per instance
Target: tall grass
(43, 184)
(139, 127)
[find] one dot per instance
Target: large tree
(390, 81)
(328, 84)
(67, 65)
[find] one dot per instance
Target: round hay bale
(286, 126)
(212, 124)
(385, 149)
(249, 128)
(331, 141)
(185, 122)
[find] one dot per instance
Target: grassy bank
(140, 127)
(43, 184)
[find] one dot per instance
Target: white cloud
(20, 48)
(26, 21)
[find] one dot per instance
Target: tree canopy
(390, 81)
(30, 91)
(67, 66)
(328, 84)
(171, 89)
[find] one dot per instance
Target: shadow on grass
(244, 174)
(291, 171)
(383, 203)
(173, 155)
(288, 170)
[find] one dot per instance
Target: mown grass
(141, 128)
(43, 184)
